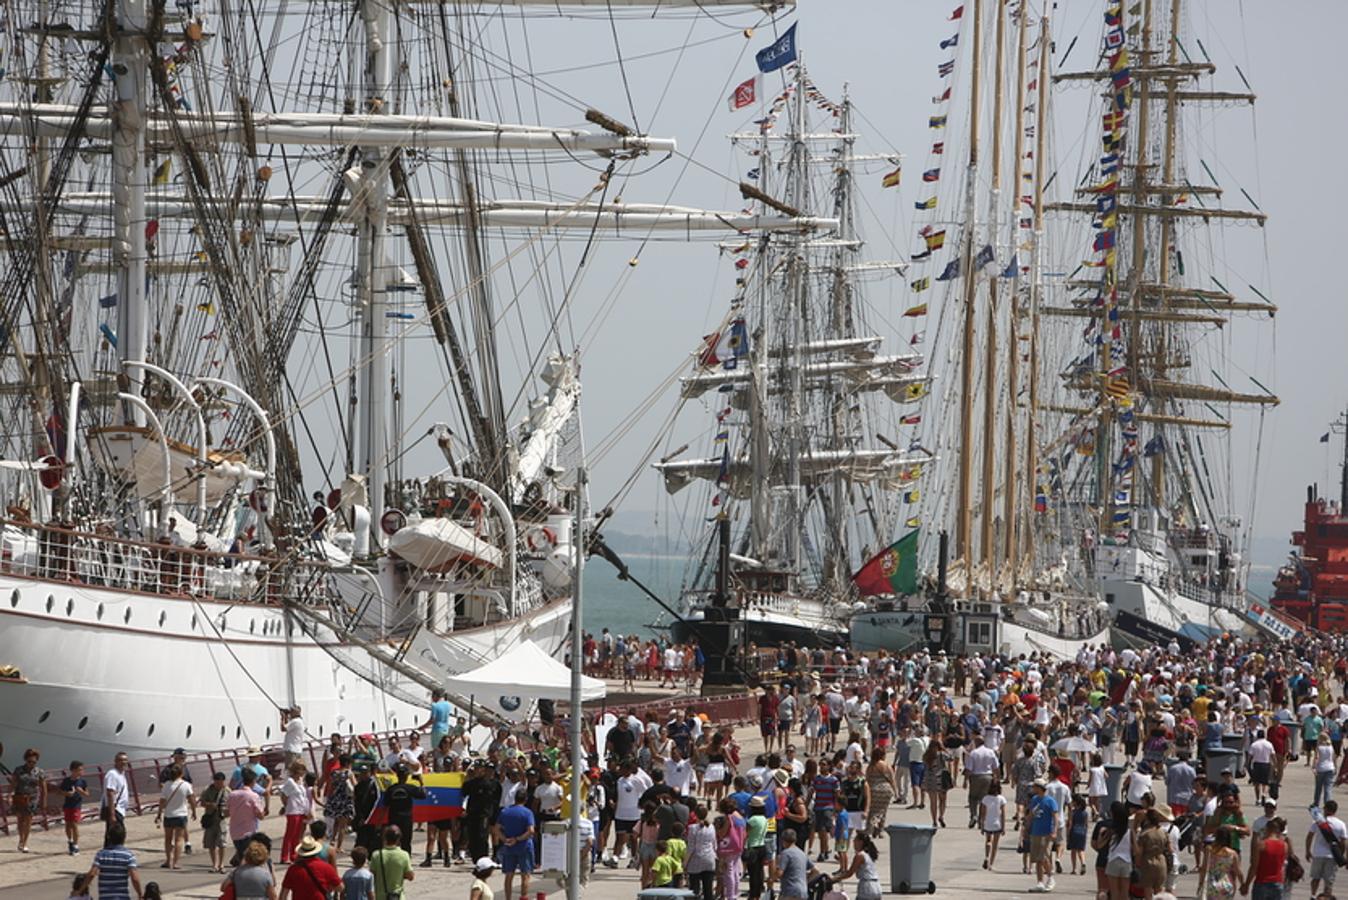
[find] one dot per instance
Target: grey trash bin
(910, 848)
(666, 893)
(1218, 760)
(1236, 742)
(1114, 781)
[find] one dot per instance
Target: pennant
(1012, 268)
(911, 420)
(920, 285)
(741, 263)
(945, 68)
(892, 179)
(925, 204)
(935, 239)
(914, 522)
(108, 302)
(915, 392)
(725, 347)
(161, 174)
(942, 98)
(951, 272)
(1154, 446)
(913, 496)
(745, 94)
(208, 307)
(984, 257)
(957, 14)
(892, 571)
(917, 338)
(936, 122)
(1104, 240)
(751, 175)
(151, 229)
(1324, 438)
(921, 257)
(938, 148)
(781, 52)
(913, 312)
(951, 41)
(931, 175)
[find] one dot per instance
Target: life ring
(541, 539)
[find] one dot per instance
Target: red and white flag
(745, 94)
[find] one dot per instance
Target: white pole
(502, 511)
(129, 61)
(573, 855)
(181, 388)
(268, 439)
(167, 490)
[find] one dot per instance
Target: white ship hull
(983, 630)
(104, 671)
(1165, 613)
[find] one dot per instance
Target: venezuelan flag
(444, 798)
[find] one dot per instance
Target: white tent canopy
(526, 672)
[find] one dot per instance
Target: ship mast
(371, 429)
(841, 325)
(1036, 271)
(798, 277)
(988, 544)
(1011, 515)
(130, 60)
(964, 517)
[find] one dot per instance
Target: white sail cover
(433, 544)
(526, 672)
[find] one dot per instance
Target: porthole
(51, 601)
(83, 722)
(238, 732)
(252, 626)
(268, 732)
(189, 731)
(222, 732)
(44, 717)
(150, 732)
(14, 598)
(126, 616)
(162, 616)
(118, 729)
(194, 628)
(100, 610)
(320, 730)
(70, 606)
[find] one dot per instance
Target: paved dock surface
(47, 871)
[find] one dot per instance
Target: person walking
(1116, 842)
(1325, 767)
(28, 785)
(1269, 853)
(176, 801)
(515, 827)
(115, 868)
(214, 810)
(979, 771)
(882, 786)
(1221, 869)
(936, 778)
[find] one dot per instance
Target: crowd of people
(1095, 764)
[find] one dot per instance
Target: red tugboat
(1313, 585)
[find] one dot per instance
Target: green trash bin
(910, 849)
(1218, 760)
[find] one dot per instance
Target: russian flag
(444, 798)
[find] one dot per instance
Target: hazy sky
(1285, 156)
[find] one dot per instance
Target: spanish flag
(892, 179)
(913, 312)
(935, 240)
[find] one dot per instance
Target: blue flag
(780, 53)
(952, 271)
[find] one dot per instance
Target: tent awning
(526, 672)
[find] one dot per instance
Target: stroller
(821, 888)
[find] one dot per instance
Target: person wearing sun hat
(482, 870)
(310, 877)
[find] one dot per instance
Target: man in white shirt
(1062, 795)
(1261, 764)
(115, 792)
(293, 745)
(1321, 852)
(679, 773)
(979, 769)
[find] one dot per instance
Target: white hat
(484, 864)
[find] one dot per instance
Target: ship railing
(53, 553)
(145, 777)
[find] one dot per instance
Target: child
(992, 821)
(1076, 833)
(1097, 785)
(296, 799)
(358, 882)
(678, 848)
(152, 892)
(648, 833)
(664, 868)
(77, 890)
(76, 791)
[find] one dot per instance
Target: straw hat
(309, 847)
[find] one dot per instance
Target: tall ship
(796, 403)
(1311, 588)
(287, 359)
(1162, 375)
(995, 575)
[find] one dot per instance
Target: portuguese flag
(892, 570)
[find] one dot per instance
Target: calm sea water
(619, 605)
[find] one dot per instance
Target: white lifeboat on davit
(439, 544)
